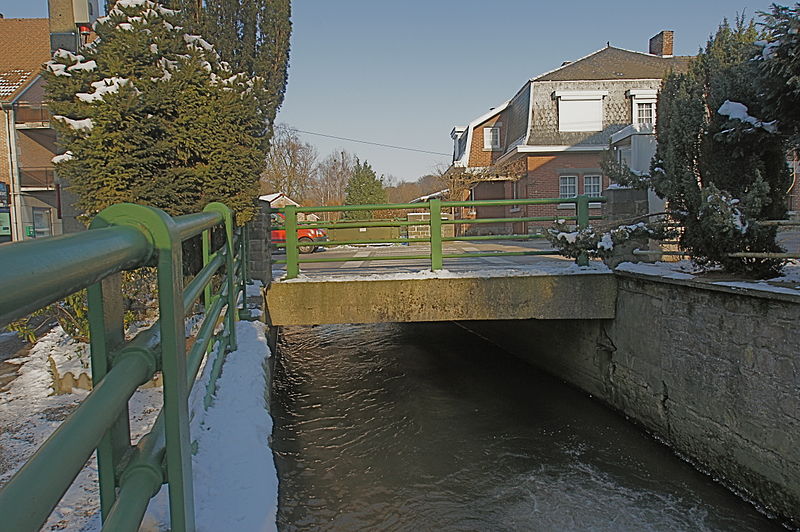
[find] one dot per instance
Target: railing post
(106, 335)
(167, 242)
(244, 242)
(206, 250)
(582, 206)
(436, 234)
(268, 244)
(292, 253)
(230, 270)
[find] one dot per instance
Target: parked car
(305, 236)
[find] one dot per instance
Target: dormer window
(643, 103)
(580, 110)
(491, 138)
(645, 113)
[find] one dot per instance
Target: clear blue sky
(404, 72)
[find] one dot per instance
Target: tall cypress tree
(719, 166)
(253, 37)
(149, 114)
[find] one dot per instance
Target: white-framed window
(645, 113)
(568, 186)
(643, 103)
(592, 185)
(580, 110)
(491, 138)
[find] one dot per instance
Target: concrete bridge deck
(473, 288)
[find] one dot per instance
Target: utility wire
(373, 143)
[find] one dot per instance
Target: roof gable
(24, 46)
(617, 63)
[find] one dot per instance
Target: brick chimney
(661, 44)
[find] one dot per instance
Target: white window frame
(491, 138)
(643, 96)
(637, 104)
(582, 102)
(599, 178)
(561, 185)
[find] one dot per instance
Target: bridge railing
(434, 222)
(124, 237)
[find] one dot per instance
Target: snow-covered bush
(150, 114)
(597, 243)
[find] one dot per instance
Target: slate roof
(24, 46)
(617, 63)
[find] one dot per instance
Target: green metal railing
(435, 222)
(123, 237)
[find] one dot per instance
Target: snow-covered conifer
(150, 114)
(720, 162)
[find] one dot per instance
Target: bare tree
(458, 180)
(291, 165)
(332, 175)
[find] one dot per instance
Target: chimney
(661, 44)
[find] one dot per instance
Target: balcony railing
(37, 178)
(32, 115)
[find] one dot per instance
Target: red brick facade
(542, 181)
(478, 156)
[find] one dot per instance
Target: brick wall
(478, 157)
(543, 176)
(488, 191)
(5, 165)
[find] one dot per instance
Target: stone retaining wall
(424, 231)
(713, 371)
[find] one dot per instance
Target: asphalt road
(790, 240)
(347, 266)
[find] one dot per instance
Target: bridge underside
(310, 302)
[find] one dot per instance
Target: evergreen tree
(363, 188)
(720, 168)
(149, 114)
(780, 67)
(253, 37)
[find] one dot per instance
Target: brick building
(547, 141)
(27, 142)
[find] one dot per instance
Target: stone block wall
(424, 231)
(258, 260)
(625, 203)
(712, 371)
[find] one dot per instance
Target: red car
(306, 237)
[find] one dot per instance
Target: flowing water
(426, 427)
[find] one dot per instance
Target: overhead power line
(372, 143)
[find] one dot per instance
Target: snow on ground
(554, 268)
(683, 269)
(29, 414)
(234, 472)
(787, 283)
(235, 480)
